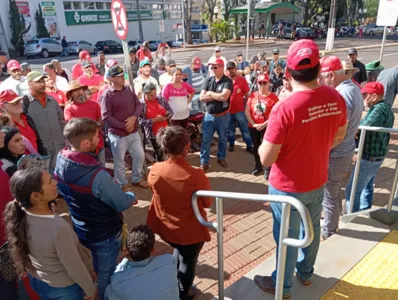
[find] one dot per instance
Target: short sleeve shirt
(177, 99)
(59, 96)
(241, 88)
(217, 107)
(93, 81)
(305, 124)
(260, 107)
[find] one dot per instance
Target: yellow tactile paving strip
(375, 277)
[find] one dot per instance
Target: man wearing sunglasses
(216, 93)
(15, 79)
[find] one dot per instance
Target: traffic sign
(161, 26)
(388, 13)
(119, 19)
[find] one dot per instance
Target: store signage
(199, 28)
(96, 17)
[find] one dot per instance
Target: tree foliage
(41, 30)
(222, 29)
(17, 28)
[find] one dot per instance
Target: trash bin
(373, 70)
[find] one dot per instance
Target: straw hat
(74, 85)
(348, 66)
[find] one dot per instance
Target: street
(184, 58)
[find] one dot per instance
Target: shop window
(67, 5)
(108, 5)
(77, 5)
(88, 5)
(127, 6)
(99, 5)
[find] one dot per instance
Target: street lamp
(215, 11)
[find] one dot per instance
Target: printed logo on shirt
(238, 91)
(219, 88)
(321, 111)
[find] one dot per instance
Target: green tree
(41, 30)
(222, 29)
(17, 28)
(372, 6)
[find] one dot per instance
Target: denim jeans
(196, 106)
(239, 119)
(364, 192)
(104, 255)
(120, 145)
(338, 168)
(210, 125)
(47, 292)
(101, 156)
(303, 263)
(65, 52)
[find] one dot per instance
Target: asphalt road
(184, 58)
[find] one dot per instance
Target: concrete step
(336, 257)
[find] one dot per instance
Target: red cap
(262, 77)
(331, 64)
(287, 74)
(9, 96)
(373, 88)
(217, 61)
(111, 63)
(13, 64)
(84, 55)
(197, 63)
(302, 49)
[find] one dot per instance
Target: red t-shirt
(89, 109)
(27, 132)
(77, 70)
(241, 88)
(6, 197)
(261, 106)
(305, 124)
(95, 80)
(154, 109)
(101, 91)
(59, 96)
(142, 54)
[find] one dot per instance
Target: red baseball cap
(330, 64)
(13, 64)
(302, 49)
(84, 55)
(262, 77)
(9, 96)
(197, 63)
(373, 88)
(217, 61)
(111, 63)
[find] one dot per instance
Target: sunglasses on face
(16, 103)
(214, 68)
(16, 71)
(263, 83)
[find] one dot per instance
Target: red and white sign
(119, 19)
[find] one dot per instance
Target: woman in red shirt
(258, 109)
(171, 214)
(156, 113)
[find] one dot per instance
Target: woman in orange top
(171, 214)
(258, 109)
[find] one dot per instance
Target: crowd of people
(56, 126)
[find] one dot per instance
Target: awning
(266, 7)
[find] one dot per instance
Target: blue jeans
(120, 145)
(211, 124)
(47, 292)
(240, 119)
(364, 192)
(65, 51)
(104, 255)
(304, 265)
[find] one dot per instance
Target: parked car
(109, 46)
(286, 25)
(301, 33)
(372, 29)
(135, 44)
(153, 45)
(177, 43)
(44, 47)
(77, 46)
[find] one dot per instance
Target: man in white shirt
(167, 77)
(16, 78)
(60, 82)
(217, 54)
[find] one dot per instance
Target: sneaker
(205, 168)
(256, 172)
(231, 148)
(222, 163)
(302, 281)
(250, 150)
(266, 284)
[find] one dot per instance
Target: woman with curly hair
(43, 244)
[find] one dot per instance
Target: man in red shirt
(237, 108)
(57, 94)
(77, 68)
(144, 53)
(300, 134)
(93, 81)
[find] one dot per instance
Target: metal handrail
(284, 240)
(393, 193)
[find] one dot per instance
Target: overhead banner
(96, 17)
(50, 19)
(23, 8)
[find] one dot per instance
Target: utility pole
(331, 26)
(183, 23)
(140, 31)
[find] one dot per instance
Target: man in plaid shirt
(375, 148)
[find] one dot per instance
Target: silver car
(43, 47)
(372, 29)
(77, 46)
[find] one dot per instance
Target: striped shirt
(197, 81)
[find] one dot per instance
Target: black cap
(352, 51)
(116, 71)
(132, 51)
(239, 53)
(231, 64)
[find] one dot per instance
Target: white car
(77, 46)
(43, 47)
(178, 43)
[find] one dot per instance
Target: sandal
(142, 184)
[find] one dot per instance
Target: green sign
(97, 17)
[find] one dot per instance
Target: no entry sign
(119, 19)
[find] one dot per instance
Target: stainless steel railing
(284, 240)
(364, 129)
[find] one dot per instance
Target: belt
(373, 159)
(220, 114)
